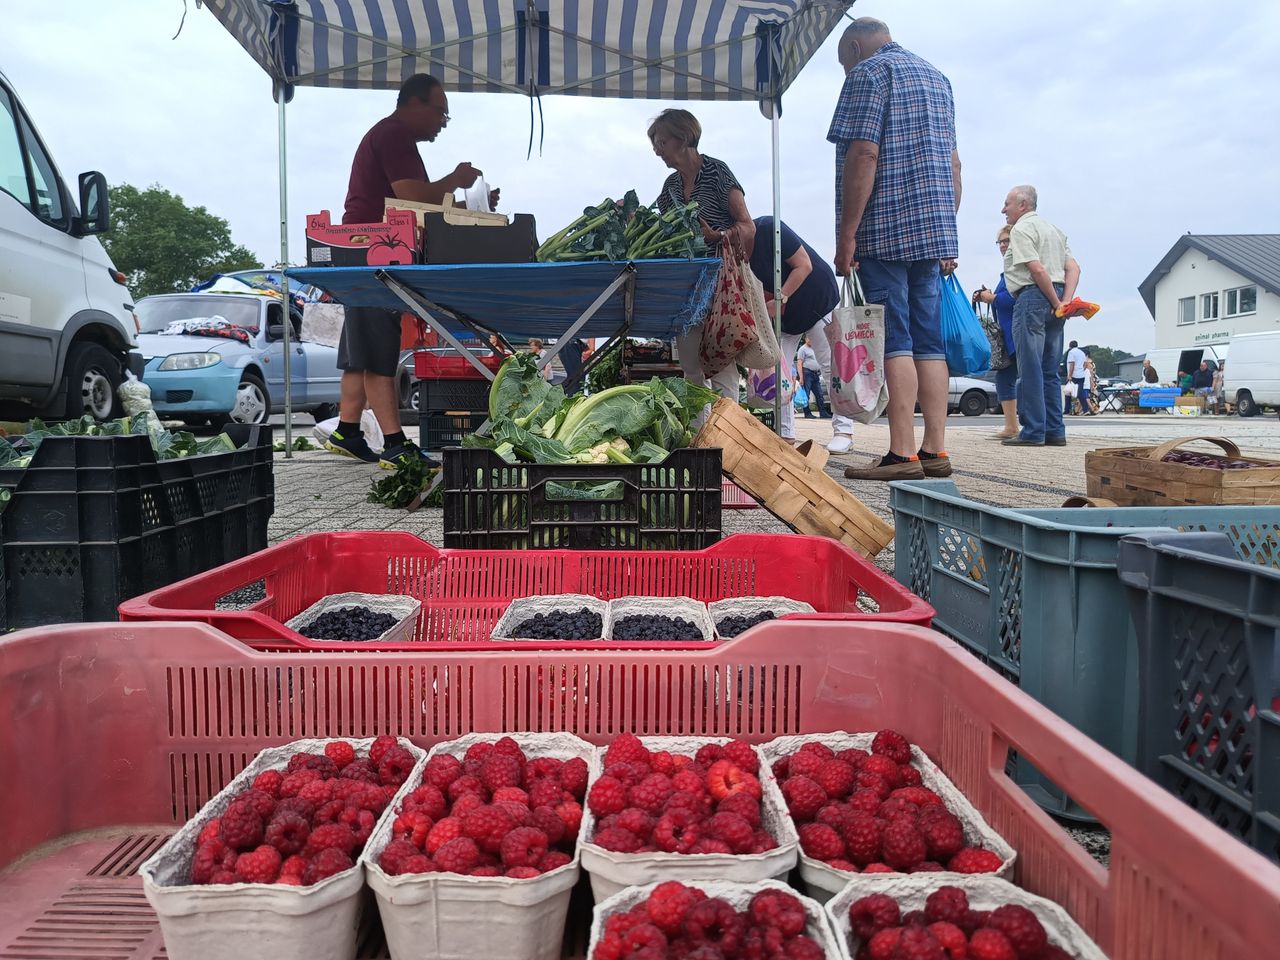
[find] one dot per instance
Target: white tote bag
(856, 336)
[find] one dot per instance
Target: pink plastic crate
(733, 497)
(113, 734)
(464, 592)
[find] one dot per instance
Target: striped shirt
(904, 105)
(711, 186)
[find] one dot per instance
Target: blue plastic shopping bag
(968, 350)
(801, 399)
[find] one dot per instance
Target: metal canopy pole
(284, 278)
(777, 265)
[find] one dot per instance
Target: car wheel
(92, 375)
(415, 400)
(973, 403)
(253, 403)
(1245, 405)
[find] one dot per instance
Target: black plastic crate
(764, 415)
(1208, 629)
(436, 396)
(94, 521)
(490, 504)
(439, 430)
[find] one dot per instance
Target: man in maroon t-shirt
(387, 164)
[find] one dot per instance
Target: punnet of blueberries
(581, 624)
(735, 624)
(348, 623)
(645, 626)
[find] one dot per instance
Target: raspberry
(821, 842)
(573, 777)
(726, 778)
(1019, 926)
(521, 815)
(695, 803)
(954, 943)
(393, 857)
(487, 826)
(207, 860)
(916, 918)
(546, 793)
(989, 944)
(804, 948)
(853, 757)
(263, 803)
(878, 868)
(883, 766)
(717, 924)
(837, 816)
(836, 779)
(773, 908)
(668, 904)
(380, 746)
(303, 808)
(804, 798)
(259, 866)
(644, 940)
(318, 792)
(927, 866)
(947, 905)
(484, 870)
(975, 860)
(677, 831)
(212, 831)
(865, 801)
(450, 828)
(805, 764)
(891, 744)
(626, 748)
(522, 873)
(943, 836)
(974, 920)
(325, 864)
(743, 754)
(554, 860)
(910, 776)
(651, 794)
(442, 770)
(686, 781)
(242, 826)
(629, 773)
(360, 771)
(541, 767)
(476, 753)
(269, 782)
(663, 762)
(570, 811)
(617, 840)
(711, 845)
(292, 869)
(500, 770)
(426, 799)
(321, 764)
(340, 752)
(901, 845)
(414, 826)
(523, 847)
(223, 876)
(708, 754)
(295, 781)
(732, 829)
(917, 944)
(607, 795)
(420, 863)
(920, 796)
(508, 747)
(287, 832)
(637, 821)
(465, 804)
(395, 766)
(458, 856)
(511, 795)
(873, 913)
(548, 821)
(883, 944)
(763, 842)
(897, 807)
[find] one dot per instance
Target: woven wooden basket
(1139, 477)
(790, 481)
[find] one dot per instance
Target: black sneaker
(355, 447)
(392, 457)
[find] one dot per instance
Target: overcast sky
(1136, 120)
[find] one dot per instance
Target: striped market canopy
(660, 50)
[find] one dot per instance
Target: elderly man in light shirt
(1042, 275)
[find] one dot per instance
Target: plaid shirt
(903, 104)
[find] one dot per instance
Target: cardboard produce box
(395, 241)
(451, 234)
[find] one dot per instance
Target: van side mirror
(95, 217)
(275, 331)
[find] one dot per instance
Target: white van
(66, 317)
(1171, 361)
(1252, 379)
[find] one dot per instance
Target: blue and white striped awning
(662, 49)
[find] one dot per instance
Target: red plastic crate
(116, 733)
(451, 366)
(464, 592)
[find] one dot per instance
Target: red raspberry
(484, 870)
(617, 840)
(878, 868)
(302, 808)
(891, 744)
(663, 762)
(607, 795)
(644, 941)
(269, 783)
(774, 908)
(804, 798)
(987, 944)
(511, 795)
(325, 864)
(427, 799)
(715, 922)
(883, 766)
(450, 828)
(695, 803)
(743, 754)
(927, 866)
(975, 860)
(523, 847)
(476, 753)
(500, 770)
(548, 821)
(465, 804)
(223, 876)
(380, 746)
(686, 781)
(708, 754)
(898, 807)
(242, 826)
(292, 869)
(395, 766)
(573, 777)
(546, 793)
(866, 781)
(726, 778)
(418, 864)
(521, 815)
(910, 776)
(804, 948)
(487, 826)
(865, 801)
(522, 873)
(836, 779)
(821, 842)
(312, 761)
(467, 783)
(287, 832)
(883, 944)
(853, 757)
(442, 770)
(916, 918)
(259, 866)
(918, 944)
(744, 805)
(805, 764)
(763, 842)
(295, 781)
(677, 831)
(954, 943)
(626, 748)
(974, 920)
(651, 794)
(212, 831)
(1019, 926)
(781, 768)
(554, 860)
(943, 835)
(318, 792)
(668, 904)
(330, 836)
(414, 826)
(458, 856)
(508, 747)
(637, 821)
(920, 796)
(207, 860)
(872, 913)
(570, 812)
(818, 749)
(340, 752)
(901, 845)
(263, 803)
(947, 905)
(711, 845)
(541, 767)
(733, 830)
(394, 855)
(629, 773)
(837, 816)
(364, 771)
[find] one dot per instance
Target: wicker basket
(1139, 477)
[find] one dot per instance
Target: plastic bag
(135, 397)
(368, 426)
(965, 342)
(856, 337)
(801, 399)
(761, 387)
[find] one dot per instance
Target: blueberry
(735, 624)
(348, 623)
(642, 626)
(582, 624)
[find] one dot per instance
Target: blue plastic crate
(1034, 594)
(1159, 397)
(1208, 627)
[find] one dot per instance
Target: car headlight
(190, 361)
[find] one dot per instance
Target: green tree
(164, 246)
(1106, 360)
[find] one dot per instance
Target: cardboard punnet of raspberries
(682, 808)
(1027, 925)
(880, 798)
(675, 913)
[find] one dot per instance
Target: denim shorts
(911, 293)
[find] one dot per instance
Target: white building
(1207, 289)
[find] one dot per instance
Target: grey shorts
(370, 341)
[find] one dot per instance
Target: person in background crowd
(1090, 385)
(1001, 303)
(1041, 275)
(812, 374)
(536, 347)
(1202, 380)
(572, 355)
(1218, 376)
(1075, 375)
(1184, 381)
(897, 192)
(1149, 374)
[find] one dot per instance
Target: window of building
(1242, 300)
(1208, 307)
(1186, 310)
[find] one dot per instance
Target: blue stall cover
(524, 300)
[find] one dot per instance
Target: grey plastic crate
(1034, 594)
(1208, 628)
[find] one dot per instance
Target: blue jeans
(912, 300)
(813, 386)
(1007, 381)
(1038, 334)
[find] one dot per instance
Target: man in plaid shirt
(897, 190)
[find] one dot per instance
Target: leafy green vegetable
(626, 230)
(403, 485)
(522, 394)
